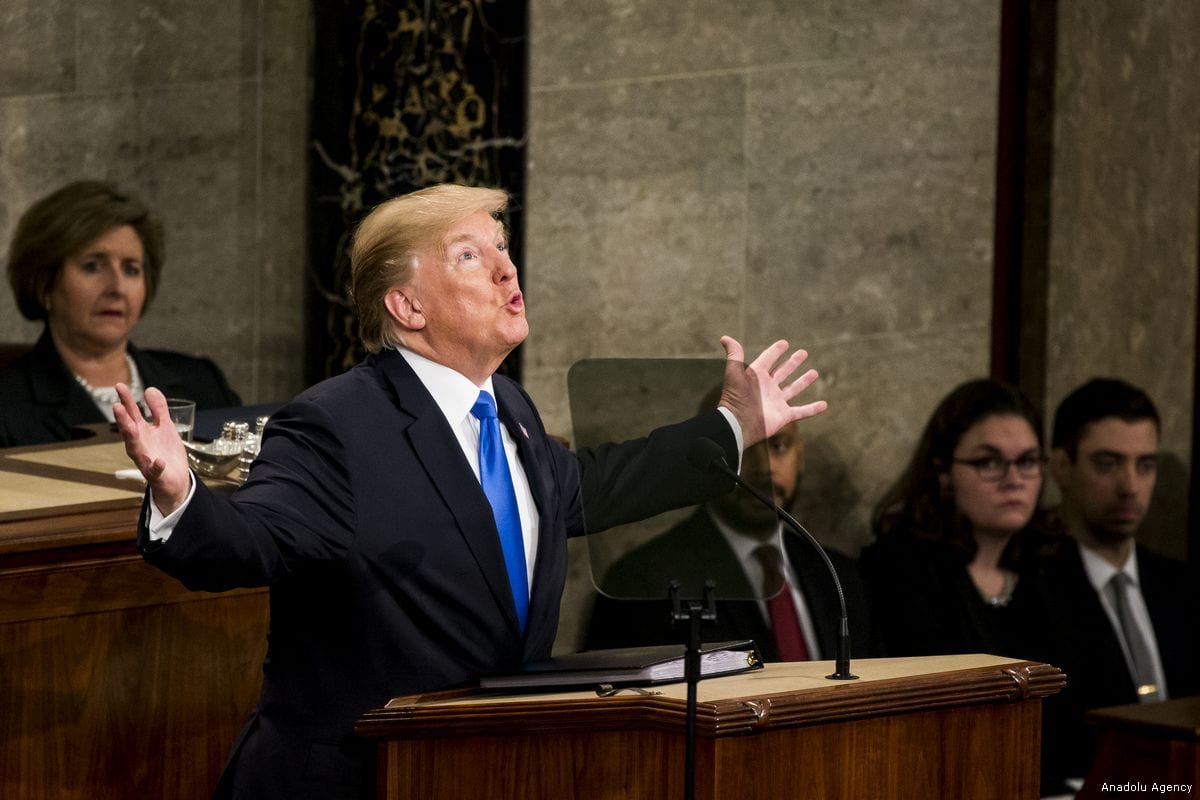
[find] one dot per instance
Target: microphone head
(707, 456)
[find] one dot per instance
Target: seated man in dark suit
(738, 543)
(1124, 618)
(411, 515)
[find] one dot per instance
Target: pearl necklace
(106, 396)
(1004, 597)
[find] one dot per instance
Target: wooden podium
(115, 680)
(909, 729)
(1145, 744)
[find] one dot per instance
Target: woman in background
(87, 261)
(955, 567)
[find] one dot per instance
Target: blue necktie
(498, 486)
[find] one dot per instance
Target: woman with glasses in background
(956, 564)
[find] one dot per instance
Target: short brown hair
(63, 223)
(1099, 399)
(389, 240)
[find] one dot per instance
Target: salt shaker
(250, 448)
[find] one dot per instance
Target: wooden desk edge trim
(69, 526)
(1013, 682)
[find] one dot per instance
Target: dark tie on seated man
(411, 515)
(87, 260)
(1125, 618)
(770, 585)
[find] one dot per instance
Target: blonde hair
(389, 241)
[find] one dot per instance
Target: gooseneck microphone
(708, 456)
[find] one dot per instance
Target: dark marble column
(1024, 160)
(407, 93)
(1096, 208)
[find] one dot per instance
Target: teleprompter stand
(694, 613)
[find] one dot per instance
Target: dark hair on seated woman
(918, 501)
(64, 222)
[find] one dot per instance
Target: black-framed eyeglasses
(994, 468)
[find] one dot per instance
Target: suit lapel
(1168, 618)
(1158, 596)
(67, 405)
(545, 593)
(820, 595)
(710, 549)
(513, 412)
(436, 447)
(155, 373)
(739, 615)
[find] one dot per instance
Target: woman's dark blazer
(41, 402)
(924, 602)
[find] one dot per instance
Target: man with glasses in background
(1125, 618)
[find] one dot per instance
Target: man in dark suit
(410, 540)
(737, 542)
(1123, 619)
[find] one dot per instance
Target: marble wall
(821, 172)
(1123, 245)
(202, 110)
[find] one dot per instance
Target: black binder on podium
(627, 666)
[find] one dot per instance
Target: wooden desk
(1146, 744)
(115, 681)
(909, 729)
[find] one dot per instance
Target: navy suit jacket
(695, 551)
(41, 402)
(385, 570)
(1085, 646)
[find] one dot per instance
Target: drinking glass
(183, 414)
